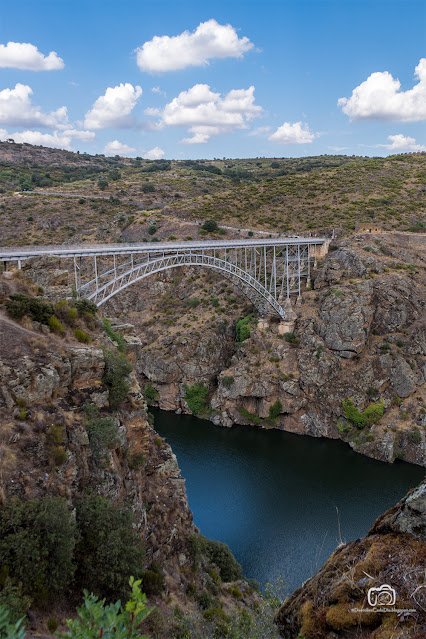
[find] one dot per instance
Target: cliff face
(334, 603)
(45, 381)
(360, 335)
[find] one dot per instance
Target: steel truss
(267, 271)
(266, 275)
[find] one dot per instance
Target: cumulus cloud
(118, 148)
(57, 139)
(206, 113)
(380, 98)
(401, 142)
(23, 55)
(154, 154)
(16, 109)
(209, 40)
(114, 107)
(296, 133)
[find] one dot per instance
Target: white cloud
(113, 109)
(16, 109)
(401, 142)
(379, 97)
(209, 40)
(207, 114)
(23, 55)
(57, 139)
(296, 133)
(154, 154)
(118, 148)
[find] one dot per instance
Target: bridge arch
(102, 288)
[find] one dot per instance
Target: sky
(184, 79)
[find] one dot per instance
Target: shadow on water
(272, 496)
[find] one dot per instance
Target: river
(272, 496)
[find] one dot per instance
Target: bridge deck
(24, 252)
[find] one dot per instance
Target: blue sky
(184, 79)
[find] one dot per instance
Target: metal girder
(264, 270)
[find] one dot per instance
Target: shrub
(292, 339)
(227, 381)
(148, 187)
(373, 413)
(95, 619)
(37, 540)
(152, 229)
(82, 337)
(414, 436)
(102, 431)
(13, 599)
(210, 226)
(152, 582)
(117, 368)
(136, 461)
(36, 309)
(109, 550)
(220, 554)
(114, 336)
(353, 414)
(243, 329)
(85, 306)
(52, 625)
(151, 393)
(195, 397)
(66, 313)
(55, 325)
(193, 302)
(275, 410)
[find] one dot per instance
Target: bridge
(267, 271)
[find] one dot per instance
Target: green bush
(108, 550)
(55, 325)
(371, 415)
(152, 582)
(37, 540)
(292, 339)
(82, 337)
(193, 302)
(152, 229)
(102, 431)
(85, 306)
(117, 367)
(35, 308)
(151, 393)
(14, 600)
(66, 313)
(148, 187)
(195, 396)
(243, 329)
(275, 410)
(414, 436)
(114, 336)
(227, 381)
(220, 554)
(210, 226)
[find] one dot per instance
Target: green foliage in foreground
(117, 367)
(195, 397)
(10, 630)
(371, 415)
(95, 619)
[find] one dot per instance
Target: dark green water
(272, 496)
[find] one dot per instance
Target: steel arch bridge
(266, 271)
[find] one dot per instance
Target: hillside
(119, 199)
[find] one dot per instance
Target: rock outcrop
(389, 563)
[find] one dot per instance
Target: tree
(210, 226)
